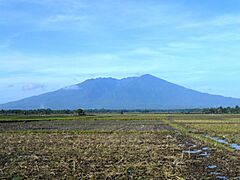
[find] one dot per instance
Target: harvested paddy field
(86, 125)
(113, 146)
(221, 126)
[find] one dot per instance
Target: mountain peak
(146, 91)
(152, 79)
(148, 76)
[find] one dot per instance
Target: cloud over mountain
(144, 92)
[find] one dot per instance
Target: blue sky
(49, 44)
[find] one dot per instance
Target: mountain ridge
(144, 92)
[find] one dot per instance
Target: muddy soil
(91, 125)
(121, 156)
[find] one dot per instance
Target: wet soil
(113, 156)
(85, 125)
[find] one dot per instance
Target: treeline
(122, 111)
(93, 111)
(36, 112)
(219, 110)
(222, 110)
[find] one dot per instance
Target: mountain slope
(129, 93)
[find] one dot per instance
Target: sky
(49, 44)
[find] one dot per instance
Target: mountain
(144, 92)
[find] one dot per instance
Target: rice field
(224, 126)
(114, 146)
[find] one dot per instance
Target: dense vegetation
(222, 110)
(36, 112)
(219, 110)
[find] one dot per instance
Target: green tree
(80, 112)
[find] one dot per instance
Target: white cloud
(33, 87)
(184, 45)
(225, 20)
(56, 3)
(63, 18)
(97, 15)
(219, 21)
(145, 51)
(220, 36)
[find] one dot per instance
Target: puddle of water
(205, 154)
(191, 144)
(214, 173)
(205, 148)
(212, 167)
(193, 151)
(223, 141)
(235, 146)
(181, 145)
(221, 177)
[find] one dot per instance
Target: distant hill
(144, 92)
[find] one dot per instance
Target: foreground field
(117, 146)
(222, 126)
